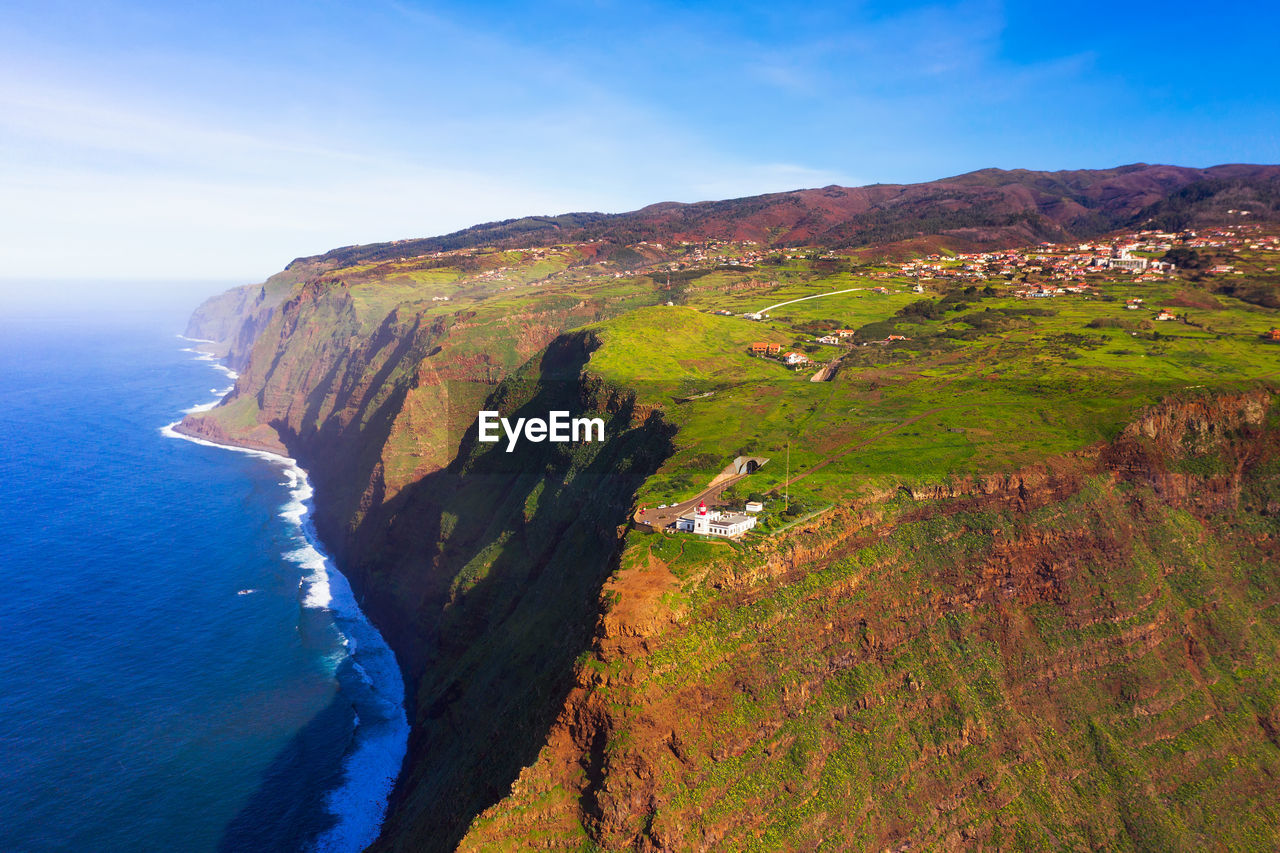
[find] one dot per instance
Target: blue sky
(220, 140)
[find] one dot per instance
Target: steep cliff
(481, 567)
(483, 573)
(489, 576)
(374, 394)
(232, 321)
(1075, 656)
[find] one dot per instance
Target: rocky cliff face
(1076, 655)
(481, 568)
(489, 574)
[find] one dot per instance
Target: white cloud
(97, 182)
(183, 162)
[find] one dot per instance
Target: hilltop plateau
(1016, 577)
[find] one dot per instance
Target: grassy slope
(1095, 671)
(955, 400)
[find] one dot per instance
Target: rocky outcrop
(1194, 452)
(258, 437)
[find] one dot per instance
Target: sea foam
(381, 734)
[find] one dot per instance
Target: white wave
(382, 733)
(195, 340)
(219, 394)
(246, 592)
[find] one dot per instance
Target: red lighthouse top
(702, 508)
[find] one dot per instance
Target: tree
(1184, 258)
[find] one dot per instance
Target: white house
(715, 523)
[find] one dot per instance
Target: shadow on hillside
(487, 578)
(337, 473)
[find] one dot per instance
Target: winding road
(763, 311)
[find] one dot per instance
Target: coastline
(379, 740)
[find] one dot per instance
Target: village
(1133, 255)
(1042, 272)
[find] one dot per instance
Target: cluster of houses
(1061, 263)
(839, 337)
(764, 349)
(1134, 254)
(713, 253)
(1136, 302)
(836, 337)
(1230, 237)
(1056, 262)
(1044, 291)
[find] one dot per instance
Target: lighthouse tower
(701, 521)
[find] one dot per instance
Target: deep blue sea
(182, 670)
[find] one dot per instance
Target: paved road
(660, 518)
(804, 298)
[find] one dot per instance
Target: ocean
(184, 668)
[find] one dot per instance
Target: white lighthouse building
(715, 523)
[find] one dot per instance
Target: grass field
(985, 381)
(990, 383)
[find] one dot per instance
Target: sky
(160, 140)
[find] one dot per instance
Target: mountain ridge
(991, 207)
